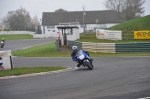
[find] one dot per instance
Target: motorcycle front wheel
(89, 65)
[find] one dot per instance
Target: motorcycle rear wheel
(2, 45)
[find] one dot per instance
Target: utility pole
(83, 19)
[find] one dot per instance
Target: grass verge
(142, 23)
(25, 70)
(16, 36)
(48, 50)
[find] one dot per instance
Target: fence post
(57, 44)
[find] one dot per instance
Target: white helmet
(74, 48)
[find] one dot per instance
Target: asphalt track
(111, 78)
(18, 44)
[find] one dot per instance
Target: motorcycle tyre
(2, 46)
(89, 65)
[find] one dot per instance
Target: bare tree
(132, 9)
(114, 5)
(128, 9)
(5, 23)
(35, 22)
(1, 26)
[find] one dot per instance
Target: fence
(57, 44)
(112, 47)
(74, 43)
(126, 35)
(17, 32)
(26, 32)
(99, 47)
(133, 47)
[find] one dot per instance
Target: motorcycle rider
(3, 39)
(74, 58)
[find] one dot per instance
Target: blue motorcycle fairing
(81, 55)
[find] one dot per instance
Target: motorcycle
(85, 59)
(2, 44)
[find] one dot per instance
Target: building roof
(105, 16)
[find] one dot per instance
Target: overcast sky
(36, 7)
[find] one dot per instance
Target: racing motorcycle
(85, 59)
(2, 44)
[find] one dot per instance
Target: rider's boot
(79, 64)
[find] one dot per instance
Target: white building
(90, 19)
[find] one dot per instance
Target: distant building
(88, 20)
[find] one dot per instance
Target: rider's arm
(73, 57)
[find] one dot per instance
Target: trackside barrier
(74, 43)
(99, 47)
(133, 47)
(6, 60)
(56, 46)
(112, 47)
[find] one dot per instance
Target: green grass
(16, 36)
(25, 70)
(142, 23)
(46, 50)
(128, 27)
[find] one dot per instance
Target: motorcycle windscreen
(80, 55)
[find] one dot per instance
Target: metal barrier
(133, 47)
(74, 43)
(112, 47)
(99, 47)
(57, 44)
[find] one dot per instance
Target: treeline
(128, 9)
(20, 20)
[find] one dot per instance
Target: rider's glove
(74, 59)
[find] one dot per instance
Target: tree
(35, 23)
(0, 22)
(133, 9)
(17, 20)
(114, 5)
(60, 10)
(20, 20)
(5, 23)
(128, 9)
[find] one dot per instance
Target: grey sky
(36, 7)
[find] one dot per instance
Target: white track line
(42, 73)
(144, 98)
